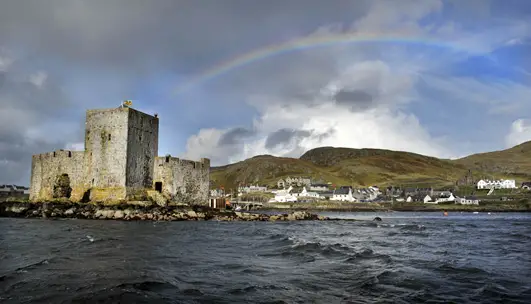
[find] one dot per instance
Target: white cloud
(386, 15)
(497, 95)
(520, 132)
(38, 79)
(391, 81)
(76, 146)
(325, 122)
(5, 62)
(377, 128)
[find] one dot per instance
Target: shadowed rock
(61, 187)
(147, 211)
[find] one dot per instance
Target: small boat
(238, 208)
(475, 212)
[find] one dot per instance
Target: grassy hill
(267, 170)
(364, 167)
(514, 162)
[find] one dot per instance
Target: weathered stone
(127, 212)
(17, 209)
(120, 162)
(119, 214)
(158, 198)
(274, 218)
(61, 187)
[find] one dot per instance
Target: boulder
(119, 214)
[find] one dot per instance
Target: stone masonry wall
(184, 181)
(106, 147)
(143, 134)
(45, 168)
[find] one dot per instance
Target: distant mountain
(365, 167)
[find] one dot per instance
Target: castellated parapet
(120, 163)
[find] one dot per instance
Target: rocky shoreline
(141, 212)
(341, 207)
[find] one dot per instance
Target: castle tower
(119, 163)
(120, 145)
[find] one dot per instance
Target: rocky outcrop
(136, 212)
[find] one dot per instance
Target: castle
(119, 162)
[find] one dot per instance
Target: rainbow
(313, 41)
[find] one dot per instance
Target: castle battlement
(59, 154)
(119, 161)
(162, 161)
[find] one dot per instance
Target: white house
(6, 190)
(216, 192)
(293, 181)
(446, 199)
(343, 195)
(283, 196)
(319, 187)
(497, 184)
(428, 200)
(307, 194)
(252, 188)
(467, 200)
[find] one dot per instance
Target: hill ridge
(367, 166)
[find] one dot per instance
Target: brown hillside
(364, 167)
(342, 166)
(265, 170)
(514, 162)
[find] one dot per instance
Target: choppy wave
(423, 258)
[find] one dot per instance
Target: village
(305, 190)
(13, 191)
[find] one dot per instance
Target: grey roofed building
(327, 194)
(342, 190)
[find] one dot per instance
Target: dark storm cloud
(235, 136)
(285, 136)
(25, 107)
(78, 43)
(354, 99)
(136, 34)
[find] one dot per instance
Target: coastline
(141, 211)
(388, 207)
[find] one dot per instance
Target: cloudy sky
(235, 78)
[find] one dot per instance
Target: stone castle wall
(47, 166)
(142, 138)
(106, 147)
(184, 181)
(119, 162)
